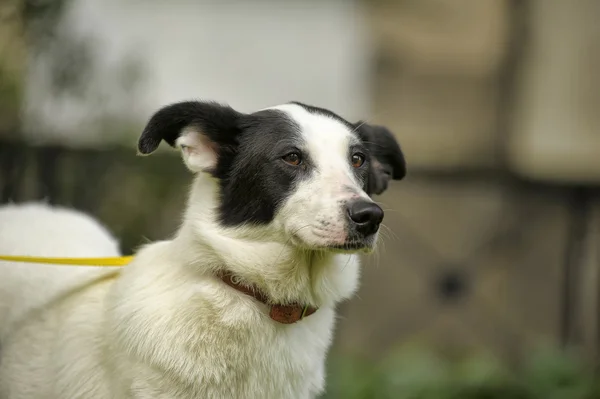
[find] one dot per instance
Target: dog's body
(280, 200)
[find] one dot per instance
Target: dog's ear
(203, 131)
(387, 159)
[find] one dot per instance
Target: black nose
(366, 215)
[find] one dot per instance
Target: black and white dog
(241, 302)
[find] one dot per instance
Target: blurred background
(487, 283)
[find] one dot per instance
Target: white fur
(165, 327)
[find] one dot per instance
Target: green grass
(419, 374)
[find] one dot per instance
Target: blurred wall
(490, 244)
(122, 60)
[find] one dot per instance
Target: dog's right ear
(387, 158)
(203, 131)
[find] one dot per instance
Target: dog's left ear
(203, 131)
(387, 159)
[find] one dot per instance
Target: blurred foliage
(12, 66)
(41, 18)
(418, 373)
(24, 24)
(10, 100)
(35, 42)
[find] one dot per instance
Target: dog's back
(37, 229)
(30, 293)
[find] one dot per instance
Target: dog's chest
(267, 361)
(289, 362)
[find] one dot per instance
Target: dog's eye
(293, 158)
(358, 160)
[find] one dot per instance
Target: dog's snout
(366, 215)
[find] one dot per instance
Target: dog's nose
(366, 215)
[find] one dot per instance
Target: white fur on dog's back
(50, 321)
(37, 229)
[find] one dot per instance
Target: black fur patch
(255, 181)
(220, 123)
(388, 162)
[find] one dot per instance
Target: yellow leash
(112, 261)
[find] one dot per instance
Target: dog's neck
(283, 272)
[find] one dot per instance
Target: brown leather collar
(285, 314)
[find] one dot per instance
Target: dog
(240, 303)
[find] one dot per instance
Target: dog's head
(302, 172)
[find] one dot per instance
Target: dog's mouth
(367, 246)
(351, 246)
